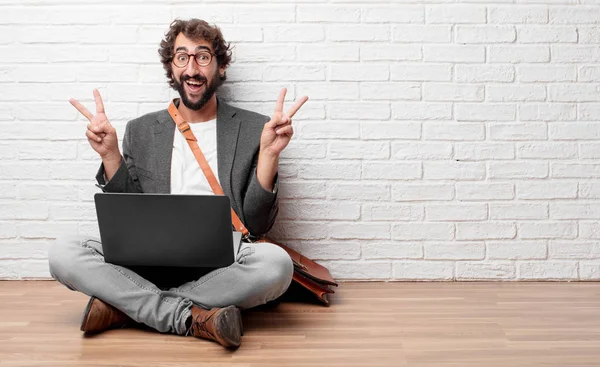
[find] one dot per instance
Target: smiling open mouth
(193, 85)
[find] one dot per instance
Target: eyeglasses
(181, 59)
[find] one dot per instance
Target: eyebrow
(183, 48)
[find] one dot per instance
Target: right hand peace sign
(101, 135)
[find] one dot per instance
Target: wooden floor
(368, 324)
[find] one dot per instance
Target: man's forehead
(184, 43)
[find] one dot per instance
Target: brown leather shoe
(223, 325)
(99, 316)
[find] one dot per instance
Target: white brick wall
(441, 141)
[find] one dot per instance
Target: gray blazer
(146, 163)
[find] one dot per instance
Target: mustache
(198, 78)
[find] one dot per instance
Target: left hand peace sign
(278, 131)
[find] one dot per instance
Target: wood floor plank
(368, 324)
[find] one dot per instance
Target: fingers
(280, 99)
(84, 111)
(292, 111)
(99, 103)
(286, 129)
(280, 119)
(91, 136)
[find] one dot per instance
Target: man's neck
(206, 113)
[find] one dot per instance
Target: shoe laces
(199, 323)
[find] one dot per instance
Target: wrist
(112, 158)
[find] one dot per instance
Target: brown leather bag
(311, 276)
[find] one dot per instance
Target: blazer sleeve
(125, 179)
(260, 206)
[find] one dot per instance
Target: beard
(209, 90)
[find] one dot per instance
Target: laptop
(164, 230)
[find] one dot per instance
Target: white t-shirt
(186, 175)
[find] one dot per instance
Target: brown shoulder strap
(185, 129)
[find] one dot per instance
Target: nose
(192, 68)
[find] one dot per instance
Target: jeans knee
(278, 267)
(62, 255)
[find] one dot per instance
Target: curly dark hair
(195, 29)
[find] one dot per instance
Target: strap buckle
(249, 238)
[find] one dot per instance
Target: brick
(362, 33)
(390, 130)
(263, 14)
(330, 130)
(392, 171)
(518, 54)
(573, 250)
(547, 150)
(393, 14)
(518, 169)
(518, 131)
(390, 90)
(588, 34)
(453, 53)
(547, 270)
(294, 33)
(574, 210)
(485, 34)
(573, 93)
(358, 72)
(452, 92)
(422, 270)
(453, 170)
(571, 170)
(456, 212)
(47, 150)
(483, 151)
(330, 90)
(422, 231)
(307, 150)
(453, 131)
(49, 192)
(421, 111)
(546, 73)
(331, 250)
(24, 210)
(515, 92)
(358, 150)
(578, 53)
(307, 210)
(520, 14)
(455, 14)
(357, 191)
(421, 150)
(422, 33)
(46, 229)
(548, 229)
(421, 72)
(359, 230)
(547, 112)
(299, 230)
(422, 192)
(359, 110)
(342, 52)
(574, 15)
(467, 191)
(323, 171)
(454, 250)
(485, 112)
(359, 270)
(485, 231)
(392, 212)
(466, 73)
(589, 111)
(484, 270)
(546, 34)
(264, 53)
(516, 250)
(302, 190)
(294, 73)
(588, 190)
(589, 270)
(518, 211)
(574, 131)
(395, 250)
(326, 13)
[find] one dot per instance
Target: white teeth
(193, 82)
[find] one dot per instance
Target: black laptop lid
(165, 230)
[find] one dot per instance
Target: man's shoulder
(148, 119)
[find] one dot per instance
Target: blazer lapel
(164, 130)
(228, 127)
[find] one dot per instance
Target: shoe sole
(230, 322)
(86, 313)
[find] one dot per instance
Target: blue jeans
(262, 272)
